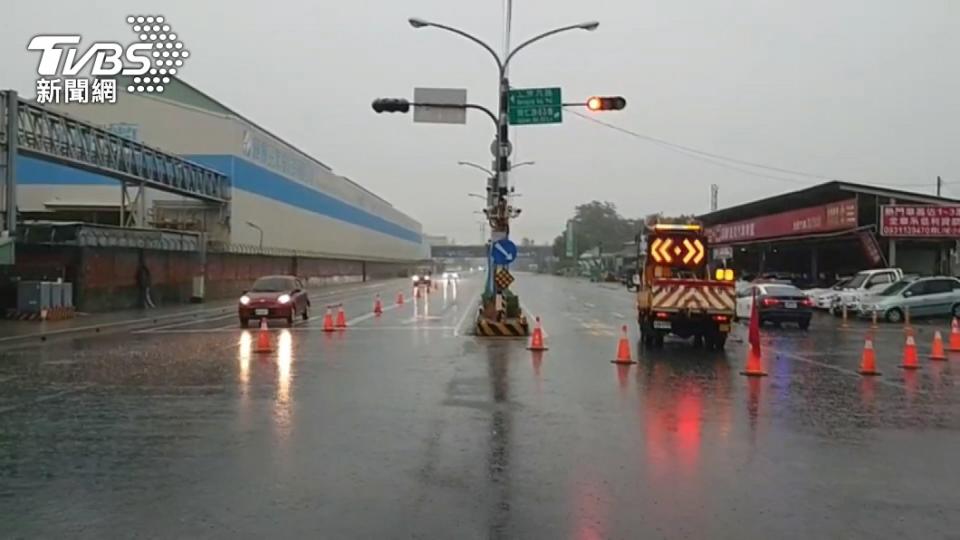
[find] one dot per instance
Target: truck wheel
(698, 341)
(658, 340)
(719, 342)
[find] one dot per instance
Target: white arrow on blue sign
(504, 251)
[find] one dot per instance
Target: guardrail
(61, 138)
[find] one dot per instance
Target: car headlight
(284, 298)
(415, 278)
(244, 299)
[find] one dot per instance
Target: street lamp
(477, 195)
(257, 227)
(504, 84)
(475, 166)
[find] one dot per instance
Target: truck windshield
(856, 281)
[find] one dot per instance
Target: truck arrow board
(667, 250)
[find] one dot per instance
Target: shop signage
(815, 219)
(871, 248)
(920, 221)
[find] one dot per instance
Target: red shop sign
(920, 221)
(814, 219)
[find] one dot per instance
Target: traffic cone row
(911, 360)
(377, 306)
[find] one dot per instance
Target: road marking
(370, 315)
(617, 315)
(109, 325)
(457, 331)
(183, 323)
(179, 314)
(840, 369)
(589, 305)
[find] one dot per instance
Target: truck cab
(862, 284)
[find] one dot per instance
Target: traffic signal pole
(493, 316)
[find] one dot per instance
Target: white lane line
(589, 305)
(183, 323)
(371, 315)
(109, 325)
(840, 369)
(457, 331)
(179, 314)
(617, 315)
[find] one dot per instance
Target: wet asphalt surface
(403, 427)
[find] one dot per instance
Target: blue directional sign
(504, 251)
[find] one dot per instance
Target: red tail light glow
(663, 315)
(770, 302)
(721, 318)
(806, 302)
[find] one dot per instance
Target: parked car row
(884, 291)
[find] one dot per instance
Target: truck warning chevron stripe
(680, 296)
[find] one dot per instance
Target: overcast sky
(864, 90)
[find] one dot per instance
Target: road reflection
(498, 460)
(243, 358)
(282, 407)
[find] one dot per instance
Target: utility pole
(939, 185)
(714, 193)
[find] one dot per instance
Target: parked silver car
(924, 297)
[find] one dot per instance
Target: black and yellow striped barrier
(509, 328)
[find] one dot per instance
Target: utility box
(33, 296)
(198, 289)
(56, 294)
(66, 294)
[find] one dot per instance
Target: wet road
(402, 426)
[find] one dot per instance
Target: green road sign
(535, 106)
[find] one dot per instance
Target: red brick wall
(106, 278)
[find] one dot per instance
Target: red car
(274, 297)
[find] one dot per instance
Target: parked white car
(862, 284)
(823, 297)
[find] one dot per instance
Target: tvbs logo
(148, 63)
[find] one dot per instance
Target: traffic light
(608, 103)
(391, 105)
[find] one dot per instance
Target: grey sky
(858, 90)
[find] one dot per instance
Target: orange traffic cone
(400, 298)
(937, 352)
(623, 348)
(536, 340)
(754, 367)
(868, 361)
(910, 360)
(341, 318)
(954, 336)
(328, 322)
(263, 338)
(377, 306)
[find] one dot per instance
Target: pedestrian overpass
(32, 131)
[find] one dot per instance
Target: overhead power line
(732, 163)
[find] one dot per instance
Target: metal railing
(64, 139)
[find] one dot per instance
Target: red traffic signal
(606, 103)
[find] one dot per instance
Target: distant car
(777, 303)
(924, 297)
(451, 275)
(423, 279)
(274, 297)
